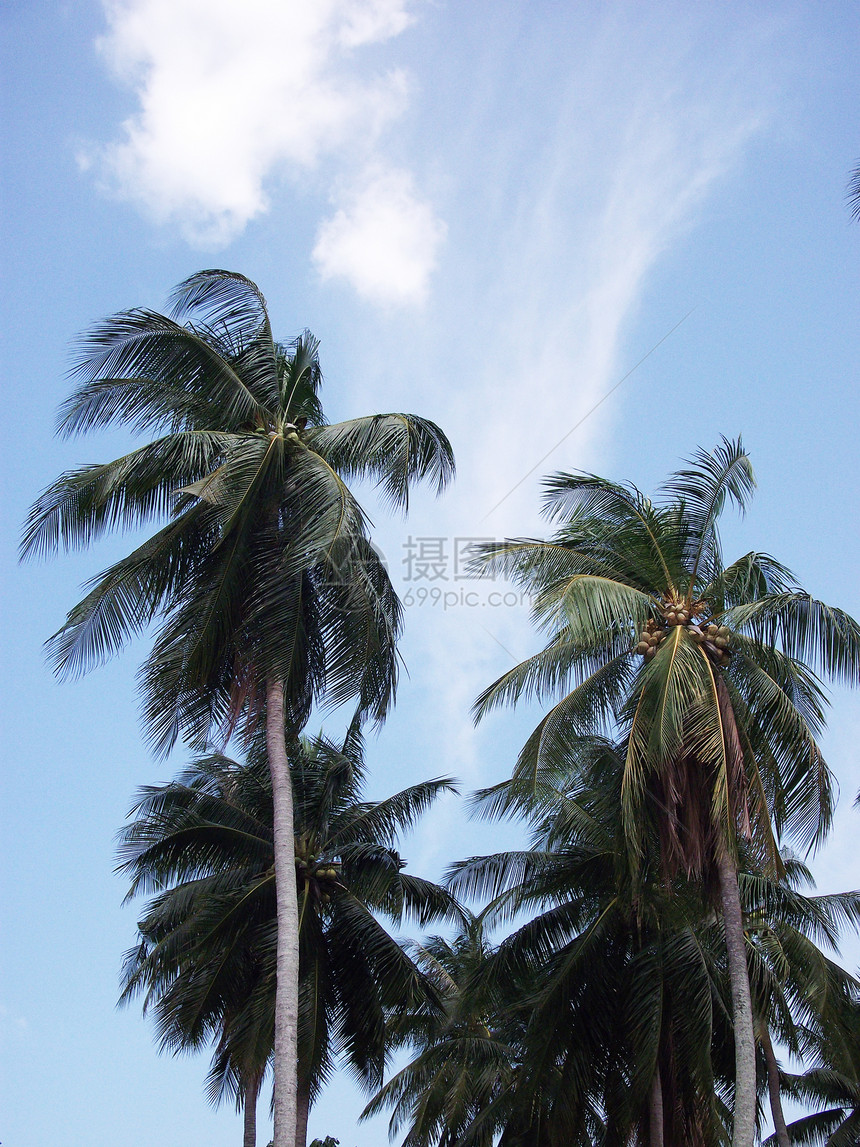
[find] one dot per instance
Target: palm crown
(464, 1061)
(264, 567)
(205, 961)
(621, 992)
(617, 997)
(704, 666)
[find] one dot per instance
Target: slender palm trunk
(249, 1106)
(287, 985)
(655, 1111)
(773, 1089)
(745, 1082)
(303, 1107)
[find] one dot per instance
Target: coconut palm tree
(800, 995)
(267, 592)
(708, 672)
(623, 1014)
(466, 1053)
(205, 961)
(604, 1018)
(831, 1084)
(626, 997)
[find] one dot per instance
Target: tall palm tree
(205, 961)
(268, 594)
(703, 668)
(623, 1015)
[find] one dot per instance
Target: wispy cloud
(232, 96)
(561, 218)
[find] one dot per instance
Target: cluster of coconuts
(328, 873)
(323, 873)
(650, 638)
(714, 638)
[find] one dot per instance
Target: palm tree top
(202, 846)
(264, 567)
(211, 370)
(653, 637)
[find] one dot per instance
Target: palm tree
(800, 995)
(268, 593)
(703, 670)
(626, 998)
(834, 1081)
(205, 962)
(623, 1014)
(465, 1053)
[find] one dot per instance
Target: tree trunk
(655, 1111)
(745, 1082)
(303, 1107)
(773, 1089)
(287, 984)
(249, 1106)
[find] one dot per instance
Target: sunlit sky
(489, 213)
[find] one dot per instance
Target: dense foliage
(626, 979)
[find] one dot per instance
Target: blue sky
(488, 213)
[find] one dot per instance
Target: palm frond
(146, 371)
(384, 821)
(805, 629)
(702, 489)
(83, 504)
(392, 449)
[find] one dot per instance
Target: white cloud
(382, 240)
(561, 219)
(232, 94)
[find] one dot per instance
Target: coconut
(643, 647)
